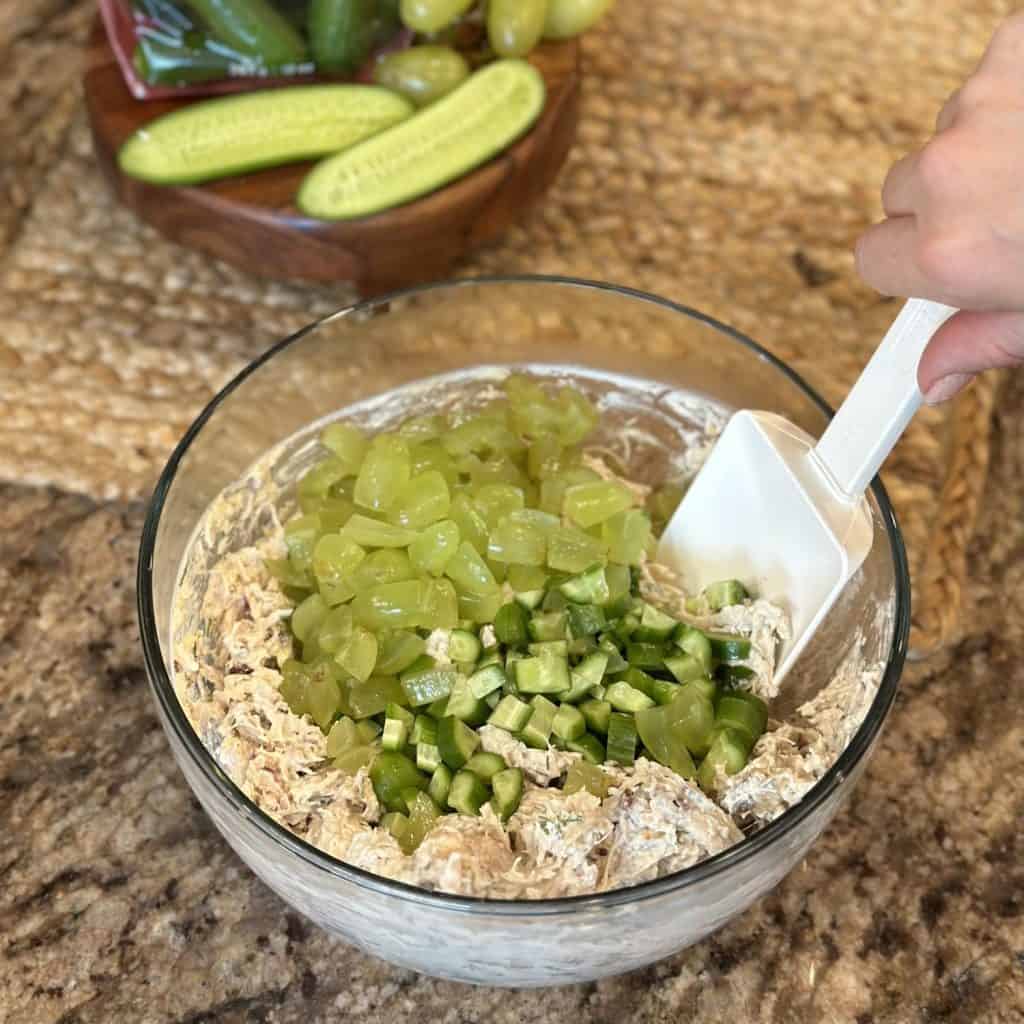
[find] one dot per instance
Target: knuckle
(946, 260)
(939, 165)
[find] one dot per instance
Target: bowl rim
(749, 846)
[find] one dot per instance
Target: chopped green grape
(662, 503)
(347, 443)
(390, 565)
(572, 550)
(423, 500)
(552, 493)
(373, 696)
(423, 428)
(399, 648)
(391, 774)
(357, 757)
(288, 576)
(316, 482)
(358, 653)
(593, 503)
(294, 684)
(334, 559)
(480, 435)
(300, 536)
(342, 737)
(334, 513)
(577, 416)
(471, 523)
(384, 473)
(390, 605)
(626, 536)
(433, 548)
(336, 629)
(440, 604)
(372, 533)
(308, 617)
(582, 775)
(548, 459)
(523, 578)
(495, 501)
(519, 542)
(469, 572)
(480, 608)
(431, 456)
(323, 698)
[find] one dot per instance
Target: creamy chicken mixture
(652, 822)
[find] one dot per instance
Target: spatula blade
(762, 510)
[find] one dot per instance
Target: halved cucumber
(462, 130)
(234, 134)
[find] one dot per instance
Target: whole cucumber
(514, 27)
(162, 63)
(568, 18)
(252, 27)
(341, 32)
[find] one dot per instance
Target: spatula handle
(882, 402)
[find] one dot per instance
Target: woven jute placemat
(729, 154)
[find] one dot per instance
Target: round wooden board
(252, 222)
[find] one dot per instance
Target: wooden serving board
(251, 221)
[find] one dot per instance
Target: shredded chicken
(663, 823)
(540, 766)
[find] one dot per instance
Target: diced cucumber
(589, 746)
(616, 662)
(463, 646)
(569, 723)
(743, 712)
(511, 714)
(424, 730)
(465, 705)
(425, 687)
(485, 766)
(548, 626)
(456, 741)
(728, 647)
(724, 593)
(395, 735)
(438, 144)
(693, 642)
(507, 786)
(684, 667)
(729, 750)
(394, 710)
(621, 739)
(624, 697)
(550, 649)
(542, 675)
(367, 730)
(440, 784)
(511, 625)
(590, 587)
(428, 757)
(647, 656)
(486, 680)
(395, 823)
(655, 626)
(585, 676)
(596, 713)
(391, 773)
(586, 619)
(467, 793)
(537, 730)
(530, 599)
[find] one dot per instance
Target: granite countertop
(121, 903)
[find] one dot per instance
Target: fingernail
(946, 387)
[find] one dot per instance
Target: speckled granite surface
(118, 901)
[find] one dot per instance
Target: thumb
(966, 344)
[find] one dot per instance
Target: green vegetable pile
(492, 529)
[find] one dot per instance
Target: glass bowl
(445, 331)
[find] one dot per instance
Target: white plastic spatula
(787, 516)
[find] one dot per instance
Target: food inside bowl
(457, 664)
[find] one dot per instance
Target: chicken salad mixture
(458, 666)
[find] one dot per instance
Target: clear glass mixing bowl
(449, 329)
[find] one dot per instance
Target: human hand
(954, 231)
